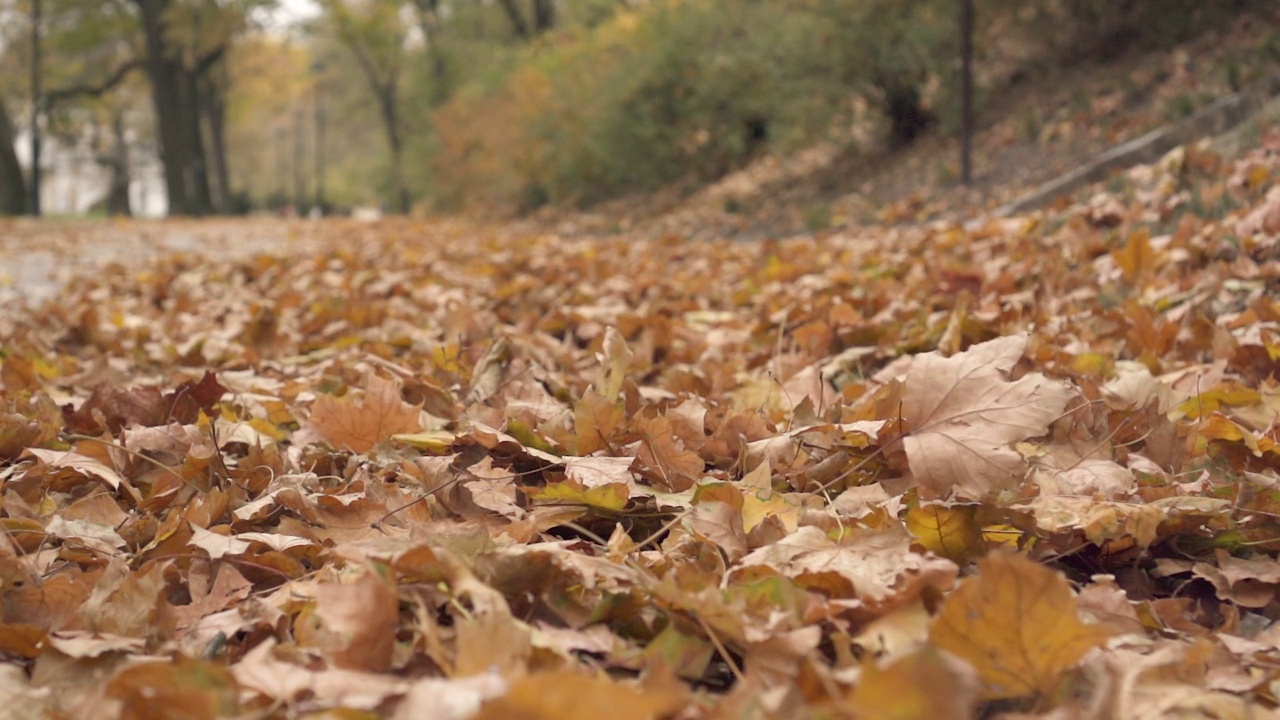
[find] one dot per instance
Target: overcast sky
(292, 11)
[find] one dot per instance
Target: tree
(174, 77)
(543, 17)
(375, 35)
(428, 12)
(186, 41)
(13, 187)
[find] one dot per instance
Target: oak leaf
(965, 414)
(360, 424)
(1016, 623)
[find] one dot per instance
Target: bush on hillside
(682, 89)
(677, 90)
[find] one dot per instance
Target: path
(37, 258)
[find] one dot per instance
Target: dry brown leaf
(360, 424)
(663, 459)
(358, 620)
(1248, 582)
(875, 570)
(965, 413)
(182, 687)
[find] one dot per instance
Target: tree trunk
(214, 110)
(175, 96)
(118, 195)
(429, 24)
(518, 25)
(544, 15)
(13, 186)
(390, 120)
(37, 101)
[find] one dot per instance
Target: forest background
(509, 106)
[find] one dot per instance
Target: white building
(72, 181)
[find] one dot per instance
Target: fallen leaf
(360, 424)
(1016, 624)
(925, 684)
(358, 618)
(181, 687)
(965, 413)
(572, 696)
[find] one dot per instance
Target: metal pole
(318, 69)
(966, 92)
(298, 148)
(282, 171)
(37, 100)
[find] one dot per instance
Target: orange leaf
(922, 685)
(360, 424)
(570, 696)
(1137, 259)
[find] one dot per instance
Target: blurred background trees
(223, 106)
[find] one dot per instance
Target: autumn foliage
(1023, 467)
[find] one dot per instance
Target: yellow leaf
(1137, 259)
(1257, 176)
(1016, 624)
(436, 442)
(951, 532)
(612, 497)
(568, 696)
(922, 685)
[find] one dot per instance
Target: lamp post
(281, 169)
(966, 92)
(37, 99)
(317, 70)
(298, 152)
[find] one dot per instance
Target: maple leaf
(1016, 624)
(877, 570)
(924, 684)
(358, 619)
(181, 687)
(360, 424)
(566, 695)
(663, 458)
(965, 413)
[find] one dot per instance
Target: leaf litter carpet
(1026, 468)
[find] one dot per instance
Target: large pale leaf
(965, 414)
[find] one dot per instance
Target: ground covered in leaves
(1027, 467)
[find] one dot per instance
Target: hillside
(1045, 124)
